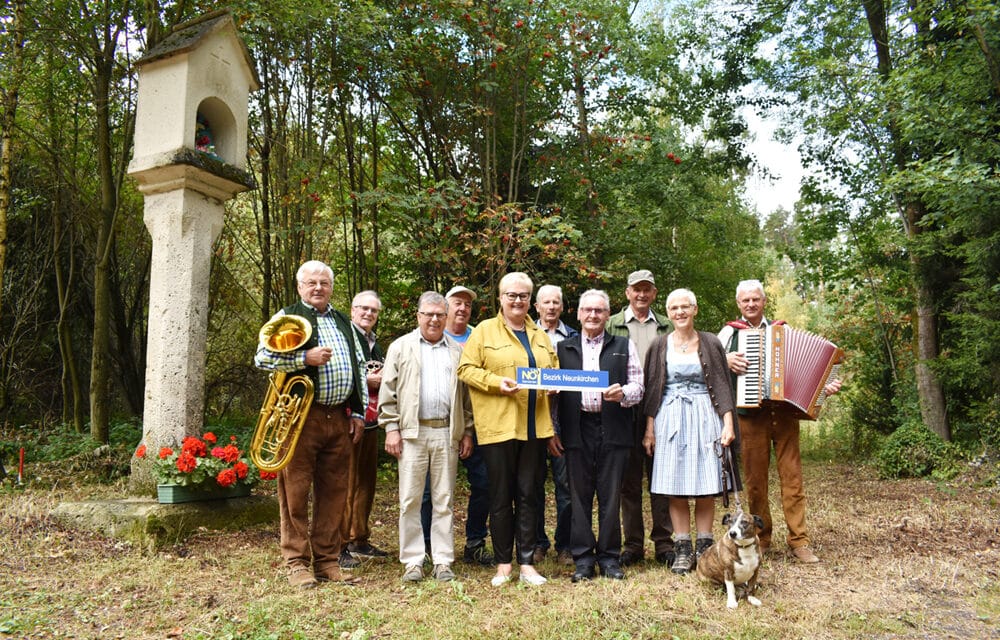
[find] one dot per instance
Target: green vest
(347, 330)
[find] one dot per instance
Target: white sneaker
(500, 580)
(534, 579)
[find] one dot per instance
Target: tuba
(288, 398)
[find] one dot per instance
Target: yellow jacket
(493, 352)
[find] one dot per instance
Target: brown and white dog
(734, 560)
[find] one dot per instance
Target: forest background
(414, 145)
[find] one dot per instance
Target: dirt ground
(901, 559)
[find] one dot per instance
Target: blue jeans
(561, 480)
(479, 501)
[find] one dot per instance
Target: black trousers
(659, 505)
(595, 469)
(514, 468)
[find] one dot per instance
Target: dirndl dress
(686, 461)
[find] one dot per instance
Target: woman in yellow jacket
(513, 425)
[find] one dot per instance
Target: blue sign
(562, 379)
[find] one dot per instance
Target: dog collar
(744, 545)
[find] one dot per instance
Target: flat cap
(642, 275)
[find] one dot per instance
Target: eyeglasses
(366, 309)
(680, 307)
(312, 284)
(433, 316)
(512, 296)
(593, 310)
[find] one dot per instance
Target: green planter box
(175, 493)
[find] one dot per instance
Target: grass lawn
(901, 559)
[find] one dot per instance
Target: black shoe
(665, 557)
(583, 573)
(612, 570)
(684, 557)
(629, 558)
(702, 546)
(347, 561)
(479, 554)
(366, 550)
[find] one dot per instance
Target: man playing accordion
(772, 422)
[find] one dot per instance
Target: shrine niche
(193, 97)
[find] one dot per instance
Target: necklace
(682, 347)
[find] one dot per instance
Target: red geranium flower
(209, 437)
(268, 475)
(194, 446)
(219, 452)
(231, 453)
(166, 452)
(186, 462)
(140, 451)
(226, 478)
(241, 469)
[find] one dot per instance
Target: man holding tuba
(332, 358)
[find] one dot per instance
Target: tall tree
(913, 212)
(12, 47)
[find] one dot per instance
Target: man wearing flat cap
(638, 322)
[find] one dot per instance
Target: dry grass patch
(910, 559)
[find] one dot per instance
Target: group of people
(448, 392)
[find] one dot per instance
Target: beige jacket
(399, 395)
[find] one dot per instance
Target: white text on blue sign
(562, 379)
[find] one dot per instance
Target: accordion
(786, 365)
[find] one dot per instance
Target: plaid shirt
(591, 400)
(336, 377)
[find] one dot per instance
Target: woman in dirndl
(690, 419)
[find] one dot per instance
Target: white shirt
(436, 372)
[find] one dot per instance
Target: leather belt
(328, 408)
(434, 424)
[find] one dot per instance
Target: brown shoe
(302, 578)
(333, 574)
(565, 558)
(805, 555)
(538, 555)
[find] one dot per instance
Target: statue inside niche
(204, 141)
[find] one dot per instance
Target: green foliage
(989, 431)
(60, 442)
(913, 451)
(412, 146)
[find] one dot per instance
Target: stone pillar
(189, 159)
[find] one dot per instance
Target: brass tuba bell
(288, 398)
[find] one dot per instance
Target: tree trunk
(929, 390)
(8, 110)
(992, 61)
(583, 135)
(100, 364)
(72, 393)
